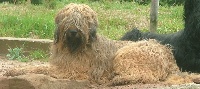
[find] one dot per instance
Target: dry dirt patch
(42, 81)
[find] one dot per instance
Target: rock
(27, 44)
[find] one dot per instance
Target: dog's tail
(133, 35)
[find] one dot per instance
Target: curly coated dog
(186, 43)
(78, 52)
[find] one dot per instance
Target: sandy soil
(6, 65)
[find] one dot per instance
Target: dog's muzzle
(73, 33)
(73, 40)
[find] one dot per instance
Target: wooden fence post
(154, 15)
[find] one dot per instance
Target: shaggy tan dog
(79, 53)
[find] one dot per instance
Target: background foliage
(35, 19)
(162, 2)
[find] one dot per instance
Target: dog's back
(185, 43)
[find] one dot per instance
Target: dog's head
(76, 26)
(133, 35)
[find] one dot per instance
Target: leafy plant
(15, 53)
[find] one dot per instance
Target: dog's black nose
(73, 32)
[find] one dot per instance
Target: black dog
(186, 43)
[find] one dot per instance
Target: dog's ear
(56, 35)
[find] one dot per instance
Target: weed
(16, 54)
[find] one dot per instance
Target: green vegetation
(115, 18)
(38, 55)
(163, 2)
(16, 54)
(26, 21)
(19, 54)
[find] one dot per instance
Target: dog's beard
(73, 41)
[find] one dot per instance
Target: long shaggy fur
(79, 53)
(133, 64)
(77, 49)
(186, 43)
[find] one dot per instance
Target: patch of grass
(170, 19)
(18, 54)
(115, 18)
(26, 21)
(38, 55)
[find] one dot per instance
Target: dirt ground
(47, 82)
